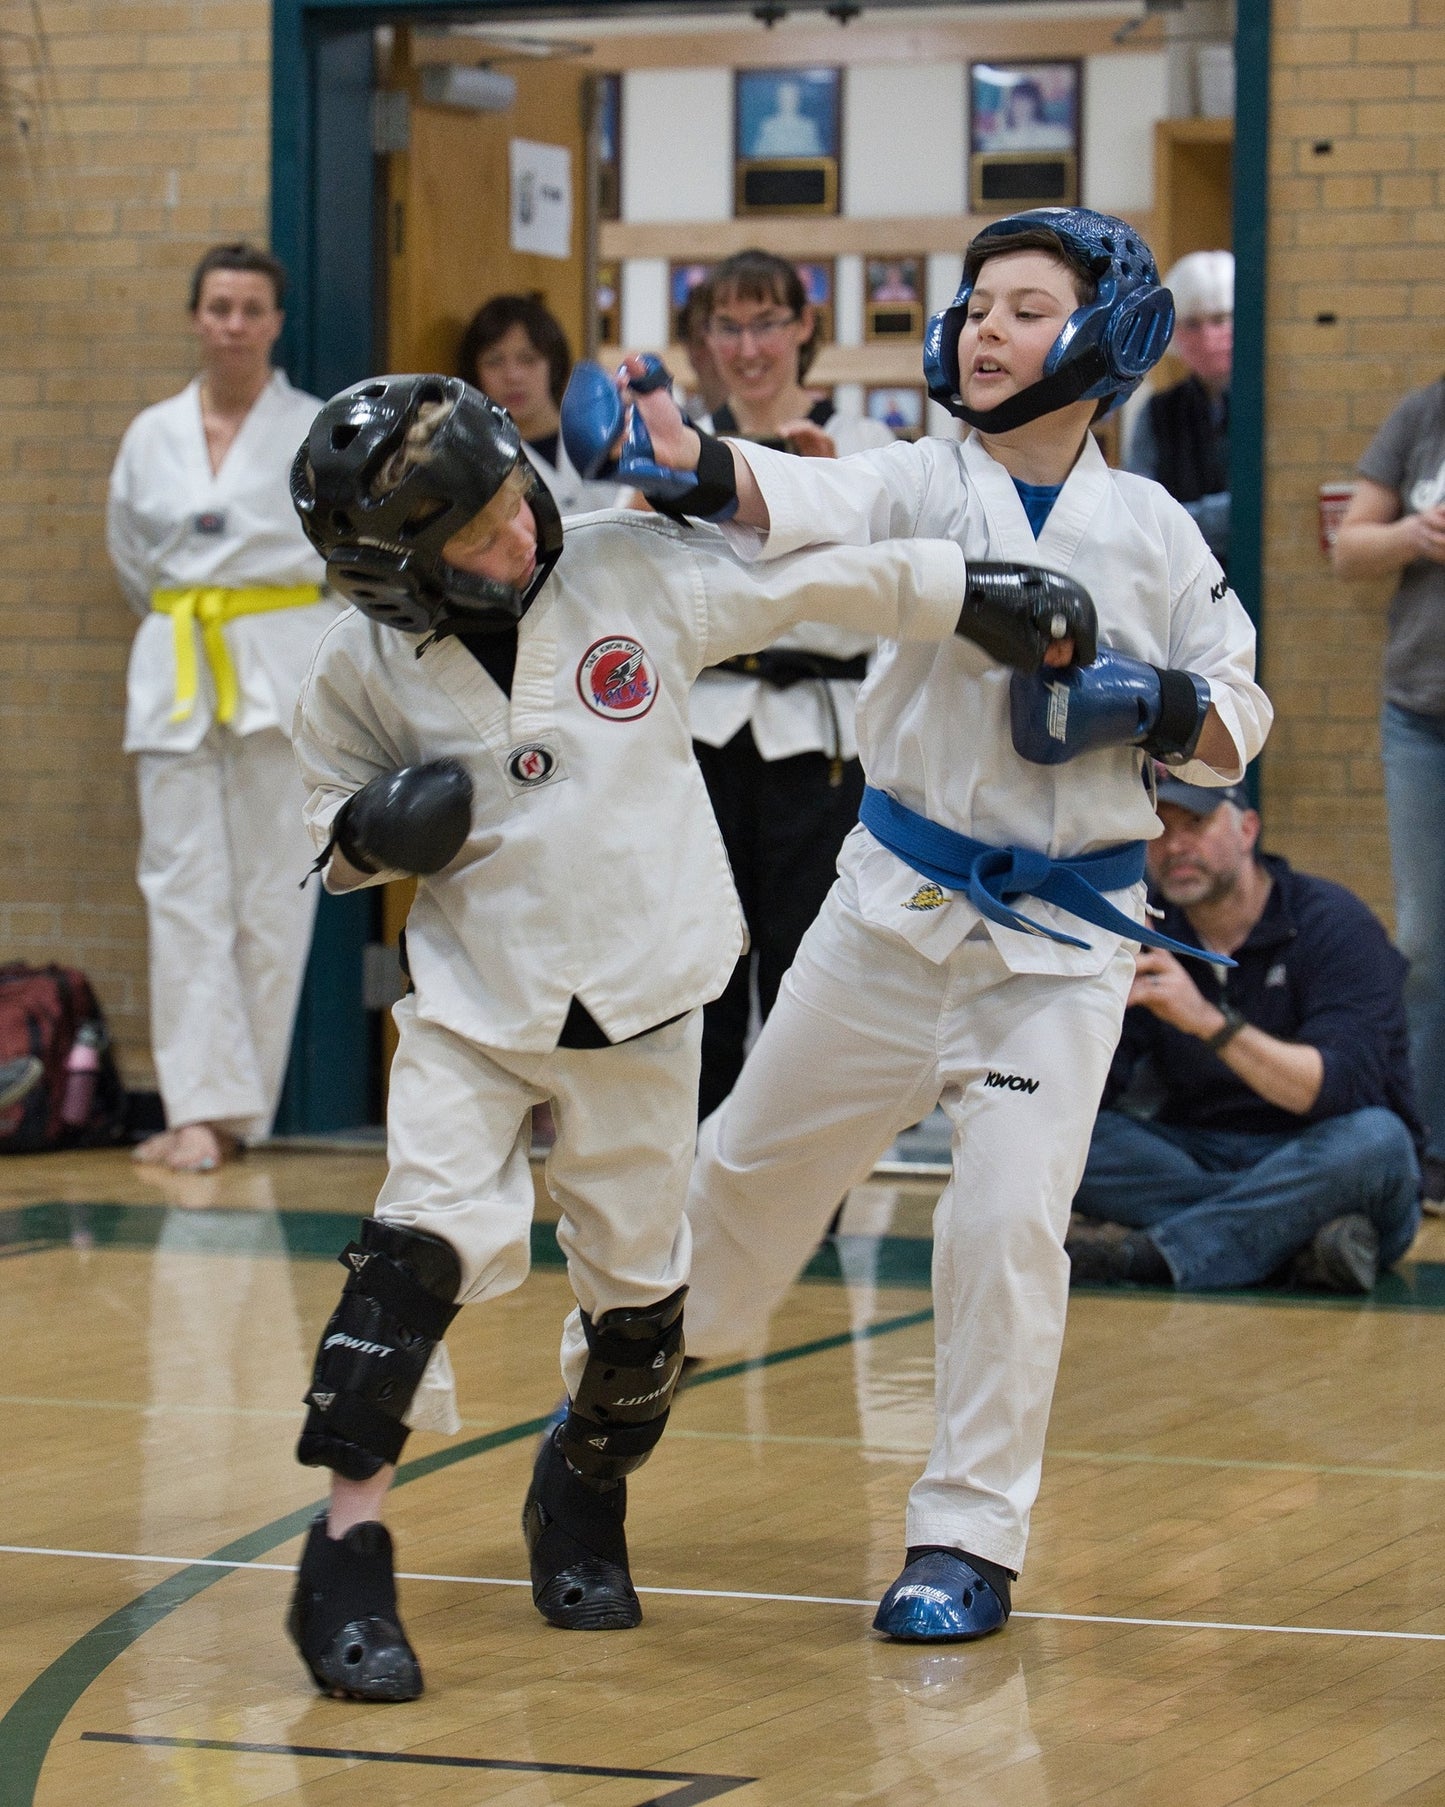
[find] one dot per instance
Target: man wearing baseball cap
(1259, 1121)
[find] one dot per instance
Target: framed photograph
(893, 297)
(818, 279)
(1024, 131)
(786, 132)
(682, 279)
(607, 305)
(900, 409)
(609, 147)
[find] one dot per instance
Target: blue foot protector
(942, 1597)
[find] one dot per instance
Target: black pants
(782, 823)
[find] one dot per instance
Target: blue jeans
(1413, 749)
(1226, 1209)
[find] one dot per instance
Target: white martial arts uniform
(800, 718)
(593, 871)
(223, 846)
(903, 996)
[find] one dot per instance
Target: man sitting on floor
(1280, 1140)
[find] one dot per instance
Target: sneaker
(1102, 1260)
(1344, 1257)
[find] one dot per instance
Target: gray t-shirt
(1407, 455)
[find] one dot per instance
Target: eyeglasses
(733, 332)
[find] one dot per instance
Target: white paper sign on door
(541, 198)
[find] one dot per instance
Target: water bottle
(82, 1070)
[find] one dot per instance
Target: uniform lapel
(1078, 503)
(1010, 535)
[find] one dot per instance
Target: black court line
(698, 1784)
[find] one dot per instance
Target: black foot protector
(344, 1618)
(578, 1547)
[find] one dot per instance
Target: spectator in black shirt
(1180, 437)
(1283, 1141)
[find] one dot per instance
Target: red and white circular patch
(617, 679)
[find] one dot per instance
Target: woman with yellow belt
(208, 550)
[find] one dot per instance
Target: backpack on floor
(52, 1013)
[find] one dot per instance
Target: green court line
(29, 1728)
(894, 1261)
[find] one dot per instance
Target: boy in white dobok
(921, 982)
(506, 716)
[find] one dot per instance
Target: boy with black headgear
(508, 719)
(977, 948)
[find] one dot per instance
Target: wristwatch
(1234, 1021)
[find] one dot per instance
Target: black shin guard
(577, 1546)
(344, 1617)
(634, 1357)
(573, 1518)
(395, 1308)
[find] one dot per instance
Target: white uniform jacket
(933, 721)
(173, 524)
(798, 719)
(594, 867)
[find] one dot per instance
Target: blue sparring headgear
(1107, 346)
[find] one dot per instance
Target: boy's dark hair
(494, 319)
(755, 275)
(239, 256)
(1033, 238)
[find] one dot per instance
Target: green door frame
(322, 227)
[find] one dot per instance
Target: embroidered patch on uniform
(212, 523)
(926, 897)
(1277, 974)
(617, 679)
(532, 764)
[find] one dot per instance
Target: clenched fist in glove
(415, 820)
(1017, 612)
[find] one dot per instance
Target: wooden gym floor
(1236, 1590)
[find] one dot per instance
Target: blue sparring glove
(592, 419)
(1055, 715)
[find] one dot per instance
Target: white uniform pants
(223, 851)
(865, 1038)
(458, 1136)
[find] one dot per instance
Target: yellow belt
(212, 609)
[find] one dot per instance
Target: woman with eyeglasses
(773, 731)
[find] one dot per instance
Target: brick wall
(132, 136)
(1357, 232)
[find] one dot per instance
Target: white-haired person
(1180, 437)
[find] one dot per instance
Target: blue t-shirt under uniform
(1038, 499)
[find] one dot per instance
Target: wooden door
(448, 210)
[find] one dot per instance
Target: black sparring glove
(414, 820)
(1017, 612)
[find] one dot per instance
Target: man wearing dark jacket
(1283, 1141)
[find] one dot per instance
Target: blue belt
(990, 875)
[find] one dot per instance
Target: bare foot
(193, 1148)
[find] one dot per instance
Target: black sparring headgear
(382, 539)
(1108, 345)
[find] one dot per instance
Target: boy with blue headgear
(978, 946)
